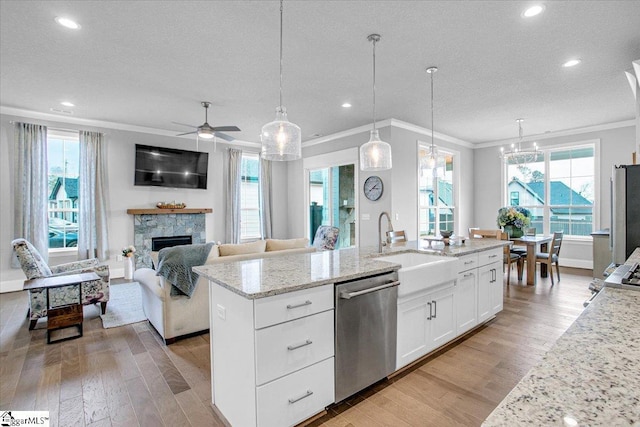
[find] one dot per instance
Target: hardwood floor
(126, 376)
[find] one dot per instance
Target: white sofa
(176, 317)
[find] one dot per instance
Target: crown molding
(384, 123)
(557, 134)
(9, 111)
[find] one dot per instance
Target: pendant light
(375, 155)
(281, 139)
(517, 155)
(433, 153)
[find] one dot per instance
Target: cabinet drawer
(467, 262)
(487, 257)
(281, 308)
(296, 397)
(290, 346)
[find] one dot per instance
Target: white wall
(616, 146)
(400, 184)
(124, 195)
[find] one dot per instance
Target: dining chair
(509, 258)
(531, 231)
(552, 255)
(396, 236)
(477, 233)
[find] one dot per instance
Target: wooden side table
(69, 313)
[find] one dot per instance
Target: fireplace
(158, 243)
(154, 229)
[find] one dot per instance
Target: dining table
(534, 244)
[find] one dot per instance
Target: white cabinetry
(425, 321)
(490, 287)
(273, 358)
(465, 299)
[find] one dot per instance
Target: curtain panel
(93, 239)
(265, 198)
(31, 187)
(234, 177)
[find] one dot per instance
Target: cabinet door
(465, 295)
(497, 288)
(443, 325)
(413, 330)
(485, 280)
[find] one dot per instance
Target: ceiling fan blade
(226, 128)
(184, 124)
(224, 136)
(186, 133)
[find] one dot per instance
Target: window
(63, 156)
(558, 187)
(436, 194)
(250, 197)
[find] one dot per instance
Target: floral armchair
(34, 267)
(326, 238)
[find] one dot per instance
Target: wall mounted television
(170, 167)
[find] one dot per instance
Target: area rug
(124, 306)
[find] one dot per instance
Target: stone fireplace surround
(151, 223)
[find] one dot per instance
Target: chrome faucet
(380, 230)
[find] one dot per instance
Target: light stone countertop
(264, 277)
(591, 375)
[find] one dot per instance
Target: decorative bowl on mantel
(174, 205)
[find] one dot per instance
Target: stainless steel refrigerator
(625, 211)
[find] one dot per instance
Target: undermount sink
(422, 271)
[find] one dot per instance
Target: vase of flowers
(129, 265)
(514, 219)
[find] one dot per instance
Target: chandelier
(518, 155)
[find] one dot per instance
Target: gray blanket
(174, 264)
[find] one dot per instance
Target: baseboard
(576, 263)
(11, 285)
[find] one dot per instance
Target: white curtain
(265, 198)
(93, 197)
(234, 178)
(31, 186)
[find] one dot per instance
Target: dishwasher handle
(349, 295)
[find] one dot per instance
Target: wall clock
(373, 188)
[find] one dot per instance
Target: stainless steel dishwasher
(366, 327)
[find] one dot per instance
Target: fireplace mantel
(158, 211)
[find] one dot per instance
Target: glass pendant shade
(281, 139)
(375, 155)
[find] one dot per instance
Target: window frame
(455, 190)
(65, 135)
(546, 207)
(250, 238)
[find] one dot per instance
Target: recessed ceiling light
(68, 23)
(67, 104)
(533, 11)
(571, 63)
(346, 105)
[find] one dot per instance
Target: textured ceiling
(150, 63)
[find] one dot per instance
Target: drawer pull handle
(468, 275)
(296, 346)
(468, 262)
(493, 256)
(304, 396)
(302, 304)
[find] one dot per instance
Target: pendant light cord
(374, 84)
(432, 152)
(281, 8)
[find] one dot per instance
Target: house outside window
(63, 157)
(436, 193)
(250, 197)
(559, 189)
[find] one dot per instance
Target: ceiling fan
(206, 131)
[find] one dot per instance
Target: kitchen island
(590, 376)
(272, 322)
